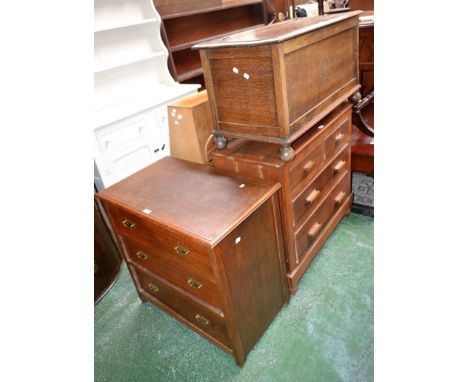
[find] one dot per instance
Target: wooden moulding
(273, 83)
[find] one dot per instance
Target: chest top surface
(190, 197)
(276, 33)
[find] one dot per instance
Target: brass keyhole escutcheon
(202, 320)
(127, 223)
(181, 250)
(142, 255)
(195, 284)
(153, 288)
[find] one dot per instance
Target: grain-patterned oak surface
(190, 197)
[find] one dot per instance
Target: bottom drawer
(203, 318)
(307, 234)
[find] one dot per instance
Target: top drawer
(120, 135)
(306, 166)
(136, 227)
(339, 136)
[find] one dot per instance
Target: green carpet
(324, 334)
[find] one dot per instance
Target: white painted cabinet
(132, 87)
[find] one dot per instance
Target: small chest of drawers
(205, 248)
(316, 184)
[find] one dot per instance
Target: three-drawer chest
(315, 186)
(205, 248)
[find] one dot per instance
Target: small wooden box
(205, 248)
(190, 127)
(274, 82)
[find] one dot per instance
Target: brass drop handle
(338, 167)
(153, 288)
(308, 166)
(312, 197)
(202, 320)
(194, 283)
(127, 223)
(181, 250)
(142, 255)
(339, 137)
(314, 230)
(339, 198)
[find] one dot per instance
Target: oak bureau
(205, 248)
(315, 186)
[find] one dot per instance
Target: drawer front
(339, 137)
(121, 163)
(122, 134)
(204, 319)
(118, 135)
(308, 233)
(305, 167)
(135, 227)
(314, 193)
(190, 273)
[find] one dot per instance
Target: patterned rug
(363, 189)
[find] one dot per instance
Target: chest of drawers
(205, 248)
(275, 82)
(316, 184)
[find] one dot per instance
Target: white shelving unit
(132, 87)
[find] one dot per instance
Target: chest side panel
(243, 87)
(318, 75)
(253, 271)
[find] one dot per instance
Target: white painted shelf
(128, 24)
(132, 87)
(162, 94)
(102, 68)
(111, 14)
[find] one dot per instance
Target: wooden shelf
(185, 24)
(103, 68)
(224, 5)
(190, 74)
(187, 63)
(111, 27)
(189, 44)
(181, 32)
